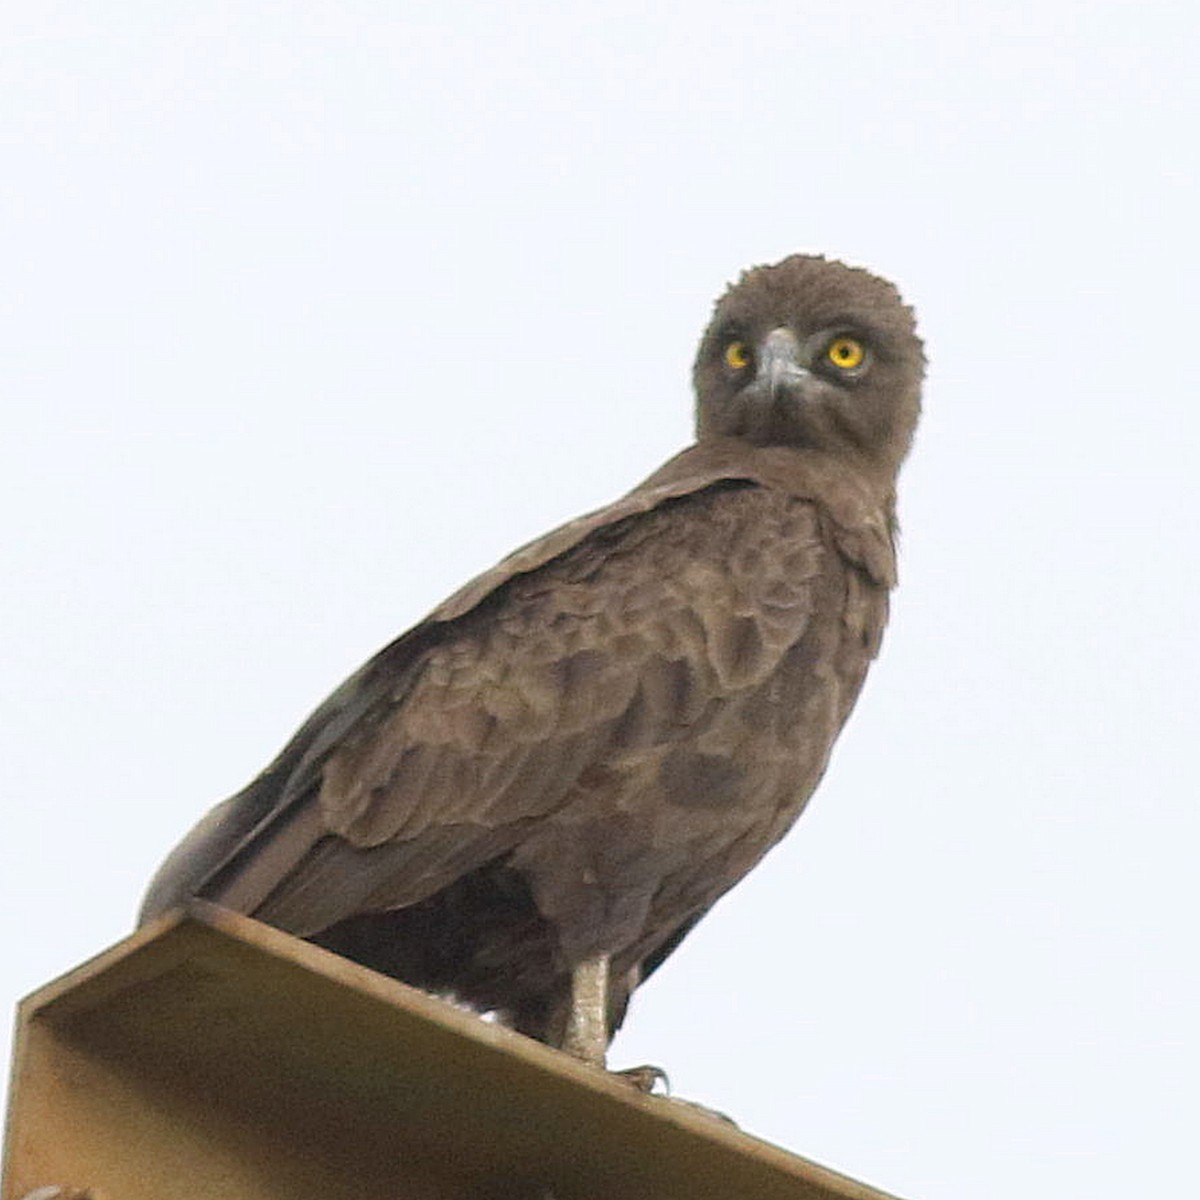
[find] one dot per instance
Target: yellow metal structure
(209, 1057)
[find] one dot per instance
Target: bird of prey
(527, 801)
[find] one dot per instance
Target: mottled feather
(583, 748)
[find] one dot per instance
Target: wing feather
(607, 644)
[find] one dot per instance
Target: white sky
(312, 311)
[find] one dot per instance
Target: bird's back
(582, 762)
(552, 777)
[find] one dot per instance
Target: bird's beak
(773, 400)
(779, 363)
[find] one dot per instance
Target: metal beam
(212, 1057)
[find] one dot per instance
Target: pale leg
(587, 1022)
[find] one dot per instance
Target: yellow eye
(737, 356)
(846, 353)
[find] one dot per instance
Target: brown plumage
(573, 757)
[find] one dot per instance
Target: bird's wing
(438, 753)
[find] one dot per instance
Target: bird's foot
(646, 1078)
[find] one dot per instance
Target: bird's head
(812, 353)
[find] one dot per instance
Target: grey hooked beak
(779, 362)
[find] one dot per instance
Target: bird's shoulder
(710, 534)
(655, 608)
(627, 621)
(860, 518)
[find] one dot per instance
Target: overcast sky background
(312, 311)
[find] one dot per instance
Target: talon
(645, 1078)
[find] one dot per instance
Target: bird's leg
(586, 1035)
